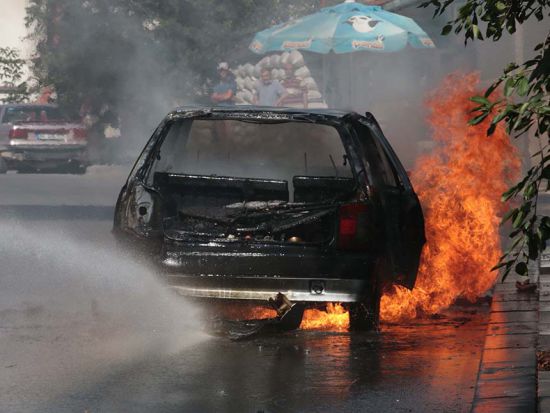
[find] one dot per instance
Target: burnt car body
(38, 137)
(241, 203)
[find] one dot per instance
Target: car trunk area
(228, 209)
(255, 198)
(246, 227)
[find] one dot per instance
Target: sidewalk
(543, 344)
(510, 378)
(507, 378)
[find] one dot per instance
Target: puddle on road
(427, 365)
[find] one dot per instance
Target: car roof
(264, 110)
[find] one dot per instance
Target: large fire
(459, 185)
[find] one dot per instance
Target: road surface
(84, 327)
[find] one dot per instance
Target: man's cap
(223, 66)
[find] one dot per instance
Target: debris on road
(526, 286)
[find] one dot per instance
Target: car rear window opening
(253, 150)
(32, 114)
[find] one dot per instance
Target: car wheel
(77, 169)
(26, 170)
(365, 314)
(3, 166)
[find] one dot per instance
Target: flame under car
(248, 204)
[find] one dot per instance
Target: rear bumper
(249, 260)
(258, 273)
(44, 153)
(312, 290)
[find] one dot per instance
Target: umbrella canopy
(347, 27)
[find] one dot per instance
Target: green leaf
(521, 268)
(509, 86)
(516, 243)
(523, 107)
(500, 6)
(510, 67)
(502, 264)
(507, 216)
(514, 233)
(475, 32)
(530, 191)
(518, 220)
(446, 29)
(509, 193)
(481, 100)
(501, 115)
(522, 86)
(533, 244)
(492, 88)
(478, 119)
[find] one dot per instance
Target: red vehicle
(36, 138)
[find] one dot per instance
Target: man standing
(296, 93)
(268, 92)
(223, 95)
(224, 92)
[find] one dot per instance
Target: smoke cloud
(142, 61)
(73, 311)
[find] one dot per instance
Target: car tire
(364, 315)
(3, 166)
(77, 169)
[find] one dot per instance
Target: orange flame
(459, 185)
(243, 311)
(334, 318)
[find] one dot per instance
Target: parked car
(240, 203)
(35, 137)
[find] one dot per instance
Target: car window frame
(355, 165)
(62, 116)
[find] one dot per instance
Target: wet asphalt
(428, 365)
(429, 368)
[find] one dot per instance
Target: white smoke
(72, 311)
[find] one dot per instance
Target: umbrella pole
(350, 82)
(324, 78)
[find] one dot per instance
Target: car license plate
(50, 137)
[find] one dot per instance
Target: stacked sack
(247, 75)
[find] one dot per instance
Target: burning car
(256, 203)
(37, 137)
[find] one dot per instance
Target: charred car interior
(255, 203)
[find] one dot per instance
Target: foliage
(525, 109)
(143, 57)
(11, 75)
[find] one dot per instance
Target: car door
(401, 210)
